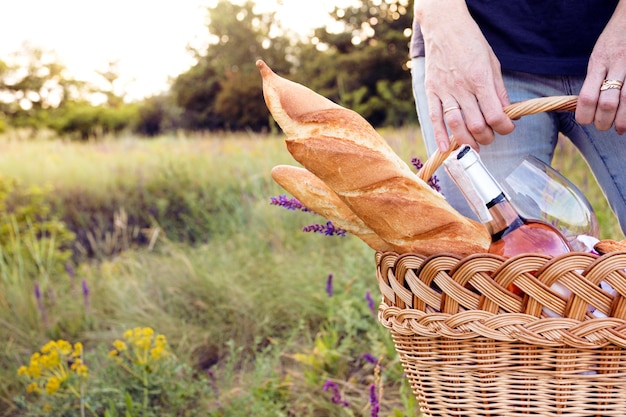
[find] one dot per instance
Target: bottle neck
(504, 218)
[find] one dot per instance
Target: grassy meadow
(118, 242)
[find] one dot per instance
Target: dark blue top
(538, 36)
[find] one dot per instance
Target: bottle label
(500, 198)
(457, 173)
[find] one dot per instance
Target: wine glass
(538, 191)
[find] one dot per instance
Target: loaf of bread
(317, 197)
(610, 245)
(343, 150)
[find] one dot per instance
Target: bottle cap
(486, 186)
(457, 173)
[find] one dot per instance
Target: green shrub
(34, 250)
(80, 120)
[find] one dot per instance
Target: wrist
(434, 13)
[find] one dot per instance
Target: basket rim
(409, 300)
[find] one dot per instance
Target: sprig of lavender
(371, 304)
(374, 401)
(40, 304)
(336, 398)
(86, 291)
(328, 229)
(433, 181)
(369, 358)
(288, 203)
(70, 273)
(417, 163)
(329, 286)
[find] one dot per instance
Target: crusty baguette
(316, 196)
(610, 245)
(343, 150)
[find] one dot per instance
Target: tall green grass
(237, 288)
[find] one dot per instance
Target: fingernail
(443, 146)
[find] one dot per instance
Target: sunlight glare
(149, 39)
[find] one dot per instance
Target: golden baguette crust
(343, 150)
(316, 196)
(610, 245)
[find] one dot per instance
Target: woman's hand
(464, 85)
(600, 105)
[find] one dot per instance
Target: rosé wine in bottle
(511, 234)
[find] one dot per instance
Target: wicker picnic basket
(470, 347)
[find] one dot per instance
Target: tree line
(363, 66)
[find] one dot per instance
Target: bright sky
(148, 37)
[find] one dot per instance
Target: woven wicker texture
(471, 347)
(486, 351)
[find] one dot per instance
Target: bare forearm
(606, 107)
(461, 73)
(432, 13)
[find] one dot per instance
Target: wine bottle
(511, 233)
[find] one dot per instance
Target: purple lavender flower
(329, 285)
(336, 398)
(37, 293)
(374, 401)
(40, 306)
(288, 203)
(417, 163)
(433, 181)
(85, 293)
(370, 358)
(328, 229)
(371, 304)
(70, 273)
(213, 382)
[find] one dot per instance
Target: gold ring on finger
(449, 109)
(610, 84)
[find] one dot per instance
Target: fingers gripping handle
(514, 111)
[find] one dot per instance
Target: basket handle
(514, 111)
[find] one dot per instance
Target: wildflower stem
(130, 371)
(82, 400)
(145, 389)
(83, 404)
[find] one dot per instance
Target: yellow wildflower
(120, 346)
(157, 353)
(79, 368)
(64, 347)
(51, 359)
(48, 347)
(82, 371)
(54, 367)
(34, 368)
(53, 385)
(144, 346)
(160, 340)
(143, 342)
(78, 350)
